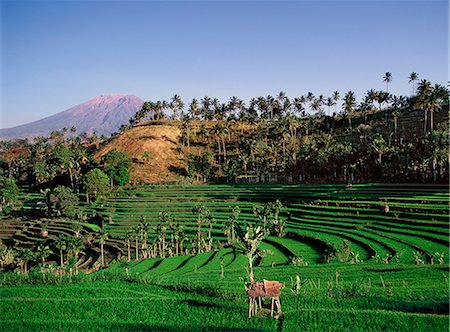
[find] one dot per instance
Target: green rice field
(386, 289)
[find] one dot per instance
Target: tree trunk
(137, 249)
(396, 130)
(250, 267)
(129, 251)
(71, 179)
(101, 253)
(431, 121)
(425, 122)
(62, 257)
(199, 235)
(224, 148)
(350, 126)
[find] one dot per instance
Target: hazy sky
(58, 54)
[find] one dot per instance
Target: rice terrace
(292, 183)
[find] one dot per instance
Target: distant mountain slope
(103, 114)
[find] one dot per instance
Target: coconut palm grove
(342, 202)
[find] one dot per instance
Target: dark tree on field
(60, 200)
(96, 183)
(116, 165)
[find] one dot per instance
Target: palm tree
(336, 96)
(145, 227)
(424, 91)
(209, 220)
(388, 79)
(43, 251)
(136, 234)
(61, 243)
(206, 107)
(176, 105)
(396, 114)
(330, 102)
(102, 238)
(194, 108)
(379, 146)
(412, 78)
(349, 105)
(202, 213)
(75, 246)
(25, 255)
(177, 236)
(230, 225)
(128, 238)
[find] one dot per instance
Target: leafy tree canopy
(96, 182)
(61, 200)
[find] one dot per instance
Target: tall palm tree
(128, 238)
(202, 213)
(43, 251)
(396, 114)
(194, 109)
(349, 106)
(176, 105)
(434, 103)
(206, 107)
(424, 91)
(61, 243)
(74, 247)
(330, 102)
(388, 79)
(413, 77)
(230, 225)
(145, 227)
(336, 96)
(24, 256)
(298, 105)
(137, 234)
(102, 238)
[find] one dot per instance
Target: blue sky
(58, 54)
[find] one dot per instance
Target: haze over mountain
(103, 114)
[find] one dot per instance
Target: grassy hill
(153, 149)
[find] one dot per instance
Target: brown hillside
(163, 162)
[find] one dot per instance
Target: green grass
(203, 301)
